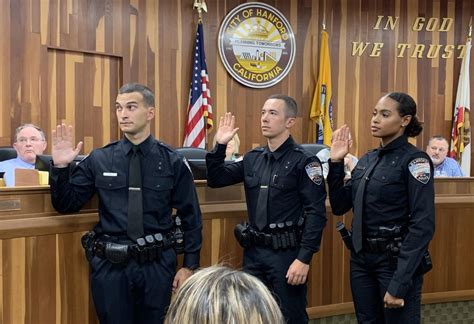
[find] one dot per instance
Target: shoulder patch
(420, 169)
(314, 172)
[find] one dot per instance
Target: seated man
(29, 142)
(445, 166)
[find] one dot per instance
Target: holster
(426, 264)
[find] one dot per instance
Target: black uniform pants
(270, 267)
(134, 293)
(370, 276)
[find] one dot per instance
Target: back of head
(220, 295)
(407, 106)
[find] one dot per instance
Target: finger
(78, 148)
(63, 131)
(339, 135)
(54, 136)
(175, 284)
(232, 121)
(345, 133)
(221, 121)
(235, 132)
(227, 119)
(70, 132)
(58, 132)
(290, 279)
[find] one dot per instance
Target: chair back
(196, 158)
(7, 153)
(314, 148)
(191, 153)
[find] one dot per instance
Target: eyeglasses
(33, 140)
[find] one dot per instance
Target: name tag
(109, 174)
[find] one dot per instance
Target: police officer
(392, 196)
(283, 185)
(132, 289)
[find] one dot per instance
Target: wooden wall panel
(151, 41)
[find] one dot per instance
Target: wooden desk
(45, 277)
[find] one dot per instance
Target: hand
(349, 162)
(390, 301)
(340, 143)
(226, 130)
(181, 276)
(63, 151)
(297, 273)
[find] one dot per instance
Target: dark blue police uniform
(134, 292)
(296, 190)
(399, 193)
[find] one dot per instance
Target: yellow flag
(321, 108)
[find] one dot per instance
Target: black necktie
(135, 201)
(359, 206)
(262, 202)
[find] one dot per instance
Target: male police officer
(286, 196)
(139, 180)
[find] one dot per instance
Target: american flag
(199, 107)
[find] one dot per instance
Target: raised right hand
(340, 143)
(63, 150)
(226, 130)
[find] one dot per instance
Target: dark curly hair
(407, 106)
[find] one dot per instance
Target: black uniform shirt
(296, 188)
(399, 191)
(167, 183)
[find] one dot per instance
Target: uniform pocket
(157, 194)
(251, 181)
(284, 182)
(112, 191)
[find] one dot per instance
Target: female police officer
(392, 196)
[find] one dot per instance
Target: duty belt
(385, 239)
(282, 238)
(147, 249)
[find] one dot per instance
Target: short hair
(22, 127)
(148, 96)
(290, 103)
(218, 294)
(407, 106)
(439, 138)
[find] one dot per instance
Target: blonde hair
(220, 295)
(236, 140)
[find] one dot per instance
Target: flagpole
(200, 6)
(324, 16)
(469, 35)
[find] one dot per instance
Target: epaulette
(112, 143)
(300, 149)
(258, 149)
(166, 146)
